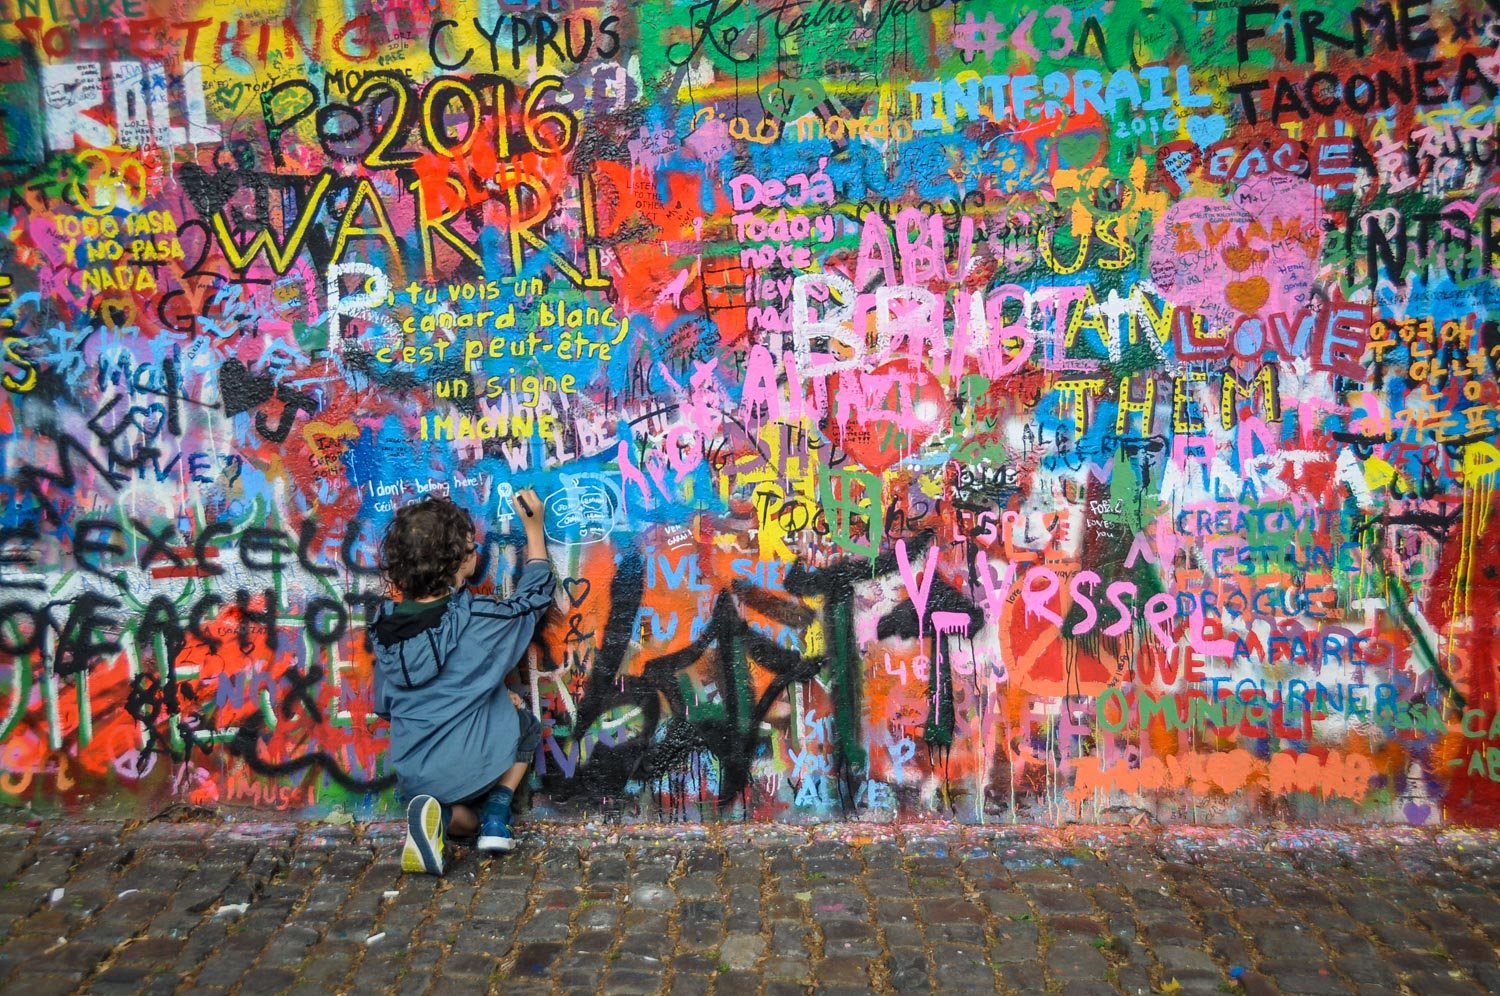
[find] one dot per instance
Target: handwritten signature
(715, 23)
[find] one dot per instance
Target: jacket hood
(411, 649)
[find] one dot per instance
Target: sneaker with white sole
(425, 833)
(495, 836)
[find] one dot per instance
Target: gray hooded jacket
(440, 679)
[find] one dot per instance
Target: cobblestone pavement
(208, 906)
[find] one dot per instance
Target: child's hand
(529, 507)
(520, 702)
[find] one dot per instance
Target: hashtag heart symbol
(971, 36)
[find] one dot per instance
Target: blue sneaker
(495, 836)
(425, 833)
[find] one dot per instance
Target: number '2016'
(448, 113)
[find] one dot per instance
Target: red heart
(879, 443)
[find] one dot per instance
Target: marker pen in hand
(531, 510)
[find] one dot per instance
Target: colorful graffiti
(1070, 411)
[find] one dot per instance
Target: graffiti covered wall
(1040, 413)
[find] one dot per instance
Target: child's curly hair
(425, 545)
